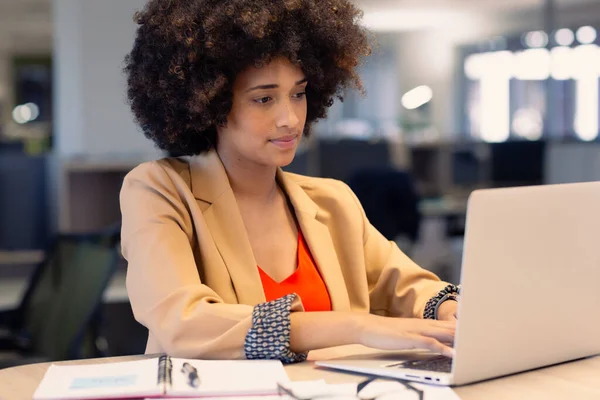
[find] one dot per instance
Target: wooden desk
(578, 380)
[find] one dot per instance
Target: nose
(287, 116)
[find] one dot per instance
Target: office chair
(60, 315)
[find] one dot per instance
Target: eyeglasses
(384, 389)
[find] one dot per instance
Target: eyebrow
(274, 86)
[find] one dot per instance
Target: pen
(192, 373)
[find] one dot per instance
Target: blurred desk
(12, 290)
(15, 257)
(444, 206)
(576, 380)
(451, 210)
(441, 236)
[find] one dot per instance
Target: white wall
(426, 58)
(68, 85)
(91, 39)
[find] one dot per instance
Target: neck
(250, 181)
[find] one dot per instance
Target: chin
(283, 160)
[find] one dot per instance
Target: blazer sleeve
(397, 286)
(185, 316)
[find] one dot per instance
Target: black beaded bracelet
(447, 293)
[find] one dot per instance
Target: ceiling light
(417, 97)
(586, 35)
(564, 37)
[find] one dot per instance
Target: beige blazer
(192, 278)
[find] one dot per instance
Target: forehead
(279, 71)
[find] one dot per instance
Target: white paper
(228, 378)
(273, 397)
(106, 381)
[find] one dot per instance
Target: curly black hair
(187, 54)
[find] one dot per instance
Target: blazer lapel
(224, 221)
(317, 236)
(210, 184)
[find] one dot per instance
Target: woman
(229, 257)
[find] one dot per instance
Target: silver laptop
(531, 288)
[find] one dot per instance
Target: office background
(461, 95)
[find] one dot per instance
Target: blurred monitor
(341, 159)
(517, 163)
(425, 168)
(572, 161)
(466, 167)
(33, 84)
(23, 206)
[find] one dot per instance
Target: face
(267, 117)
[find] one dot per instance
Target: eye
(263, 100)
(300, 95)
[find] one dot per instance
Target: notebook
(162, 377)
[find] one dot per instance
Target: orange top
(306, 282)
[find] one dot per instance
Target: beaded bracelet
(450, 292)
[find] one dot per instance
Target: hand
(447, 311)
(387, 333)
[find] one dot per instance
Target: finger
(447, 326)
(432, 344)
(442, 335)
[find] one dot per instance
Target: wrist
(356, 326)
(450, 292)
(446, 307)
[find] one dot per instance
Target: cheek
(258, 125)
(302, 111)
(250, 126)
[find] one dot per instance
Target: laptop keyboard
(437, 364)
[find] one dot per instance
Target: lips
(285, 142)
(288, 138)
